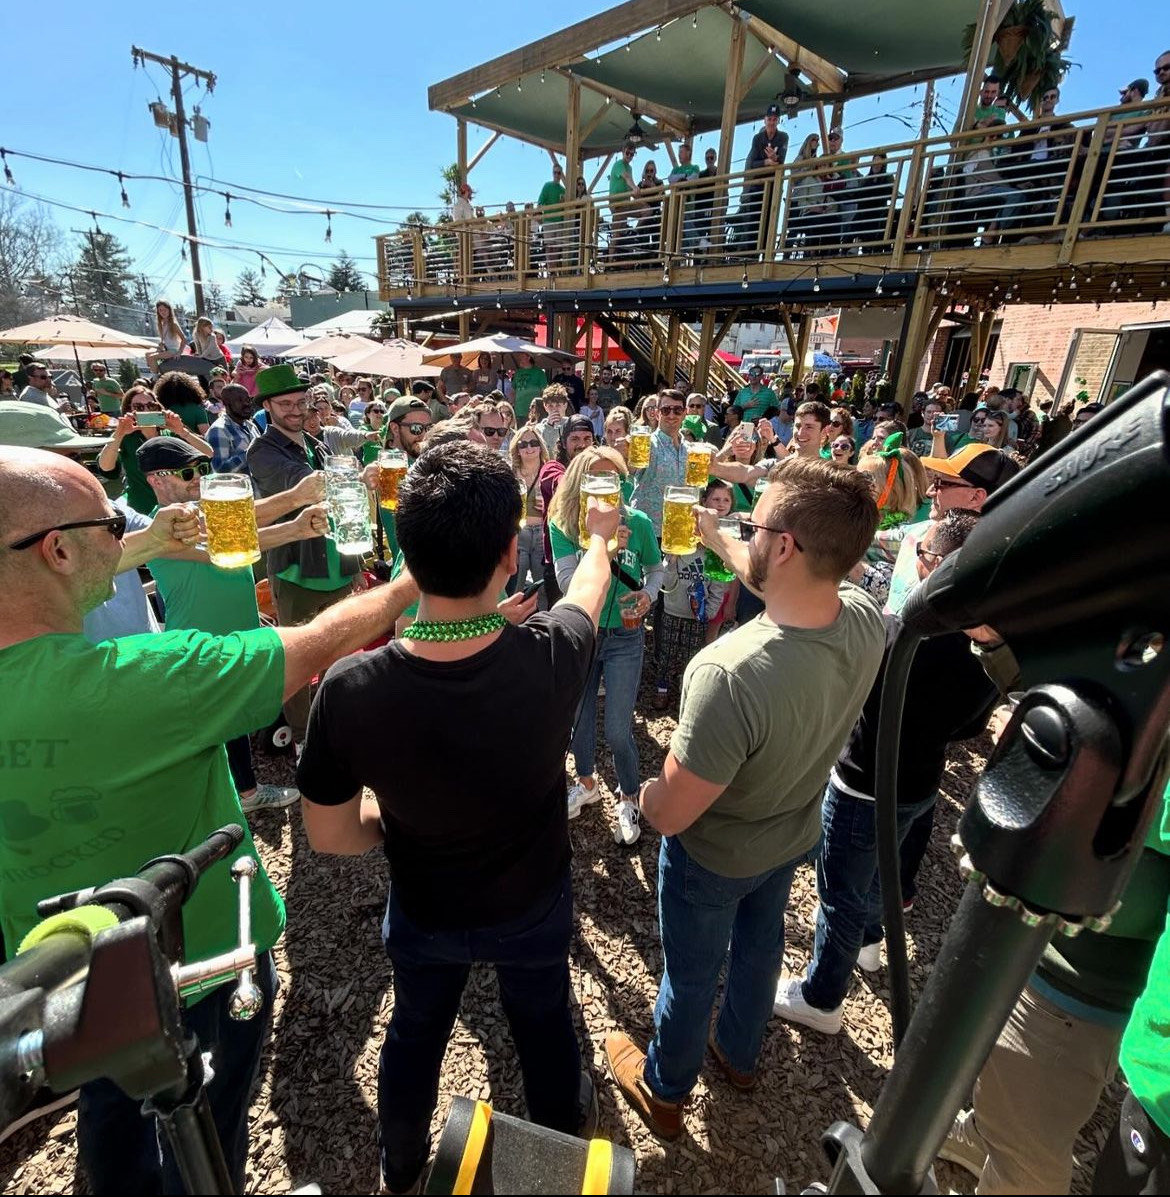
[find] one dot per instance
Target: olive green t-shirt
(83, 805)
(527, 384)
(765, 712)
(109, 395)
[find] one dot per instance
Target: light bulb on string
(328, 226)
(695, 21)
(227, 212)
(122, 185)
(498, 303)
(8, 176)
(816, 282)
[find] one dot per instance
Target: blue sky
(333, 107)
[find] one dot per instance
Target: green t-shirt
(83, 805)
(640, 554)
(617, 178)
(109, 395)
(201, 597)
(527, 385)
(138, 491)
(551, 194)
(192, 415)
(1145, 1047)
(765, 711)
(755, 405)
(682, 172)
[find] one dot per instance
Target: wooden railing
(1097, 174)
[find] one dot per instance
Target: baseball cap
(420, 384)
(1141, 86)
(401, 408)
(772, 110)
(167, 453)
(977, 465)
(577, 424)
(34, 426)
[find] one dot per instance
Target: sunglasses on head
(199, 470)
(114, 524)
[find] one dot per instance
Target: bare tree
(30, 245)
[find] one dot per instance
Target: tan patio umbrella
(75, 331)
(392, 359)
(500, 343)
(327, 348)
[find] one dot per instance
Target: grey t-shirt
(765, 712)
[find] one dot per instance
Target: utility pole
(179, 70)
(927, 111)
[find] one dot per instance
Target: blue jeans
(531, 957)
(619, 661)
(850, 915)
(120, 1149)
(698, 913)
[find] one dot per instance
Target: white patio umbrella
(358, 322)
(91, 353)
(392, 359)
(73, 335)
(505, 346)
(327, 348)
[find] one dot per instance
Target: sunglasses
(114, 524)
(747, 530)
(144, 407)
(837, 423)
(845, 446)
(929, 559)
(415, 429)
(494, 431)
(948, 484)
(529, 444)
(987, 420)
(671, 410)
(186, 473)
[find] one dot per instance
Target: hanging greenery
(1028, 56)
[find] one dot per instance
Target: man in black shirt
(949, 697)
(769, 147)
(479, 860)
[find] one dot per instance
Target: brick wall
(1035, 333)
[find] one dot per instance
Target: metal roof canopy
(675, 63)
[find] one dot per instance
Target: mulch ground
(313, 1117)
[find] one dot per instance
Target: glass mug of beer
(698, 469)
(349, 516)
(679, 534)
(639, 451)
(229, 514)
(391, 471)
(606, 488)
(715, 569)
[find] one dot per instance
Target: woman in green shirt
(120, 453)
(637, 569)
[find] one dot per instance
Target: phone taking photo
(150, 419)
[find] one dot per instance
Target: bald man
(114, 755)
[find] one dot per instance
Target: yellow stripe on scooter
(598, 1164)
(477, 1133)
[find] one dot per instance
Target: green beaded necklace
(455, 629)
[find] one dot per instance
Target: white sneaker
(964, 1146)
(629, 827)
(790, 1004)
(582, 795)
(869, 959)
(269, 798)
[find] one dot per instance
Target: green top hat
(274, 381)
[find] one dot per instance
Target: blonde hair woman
(204, 342)
(637, 580)
(899, 481)
(171, 337)
(810, 206)
(527, 456)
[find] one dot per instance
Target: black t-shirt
(756, 156)
(476, 823)
(948, 697)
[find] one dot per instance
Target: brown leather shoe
(743, 1081)
(626, 1061)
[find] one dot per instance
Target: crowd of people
(983, 188)
(530, 571)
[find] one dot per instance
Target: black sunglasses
(747, 530)
(415, 429)
(199, 470)
(948, 483)
(670, 410)
(114, 524)
(929, 559)
(529, 444)
(494, 431)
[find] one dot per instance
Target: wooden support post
(572, 139)
(801, 350)
(731, 96)
(824, 128)
(668, 146)
(461, 149)
(672, 348)
(912, 343)
(1089, 181)
(789, 330)
(465, 326)
(985, 26)
(706, 351)
(483, 149)
(837, 117)
(587, 371)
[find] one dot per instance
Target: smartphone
(947, 423)
(150, 419)
(529, 591)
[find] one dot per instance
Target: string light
(227, 212)
(498, 303)
(122, 184)
(878, 289)
(695, 21)
(658, 34)
(8, 176)
(816, 282)
(744, 283)
(328, 226)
